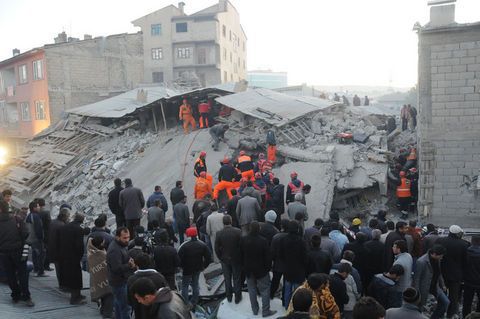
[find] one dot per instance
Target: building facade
(267, 79)
(209, 45)
(37, 86)
(449, 124)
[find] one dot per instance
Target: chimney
(442, 12)
(87, 37)
(16, 52)
(181, 6)
(61, 38)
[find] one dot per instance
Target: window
(157, 54)
(25, 111)
(235, 46)
(156, 29)
(202, 56)
(38, 70)
(224, 31)
(181, 27)
(157, 77)
(40, 113)
(183, 53)
(22, 74)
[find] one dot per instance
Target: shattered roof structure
(123, 104)
(275, 108)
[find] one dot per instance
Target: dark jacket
(255, 256)
(53, 241)
(141, 311)
(117, 263)
(383, 290)
(166, 259)
(391, 238)
(169, 305)
(46, 220)
(360, 262)
(131, 200)
(181, 214)
(227, 245)
(157, 195)
(472, 267)
(176, 195)
(107, 237)
(267, 231)
(429, 240)
(375, 257)
(194, 256)
(338, 290)
(278, 264)
(232, 209)
(226, 173)
(35, 228)
(200, 206)
(293, 252)
(13, 233)
(278, 199)
(114, 201)
(422, 278)
(319, 261)
(70, 253)
(455, 258)
(248, 210)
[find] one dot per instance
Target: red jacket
(203, 108)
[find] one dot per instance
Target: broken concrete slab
(343, 159)
(305, 155)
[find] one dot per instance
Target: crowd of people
(408, 115)
(252, 225)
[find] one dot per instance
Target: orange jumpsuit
(202, 188)
(272, 153)
(223, 185)
(186, 115)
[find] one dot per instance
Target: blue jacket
(339, 238)
(35, 228)
(161, 197)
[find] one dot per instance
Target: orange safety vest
(295, 189)
(403, 190)
(198, 167)
(185, 111)
(412, 156)
(244, 158)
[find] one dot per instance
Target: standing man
(157, 194)
(404, 259)
(182, 217)
(53, 241)
(70, 253)
(399, 234)
(177, 194)
(185, 114)
(366, 101)
(114, 203)
(404, 115)
(166, 258)
(227, 248)
(202, 187)
(256, 262)
(7, 198)
(472, 276)
(248, 210)
(383, 289)
(204, 110)
(132, 202)
(200, 164)
(278, 200)
(217, 132)
(271, 146)
(46, 220)
(453, 264)
(297, 207)
(245, 165)
(404, 193)
(214, 225)
(36, 238)
(294, 187)
(356, 100)
(13, 234)
(194, 258)
(413, 115)
(120, 267)
(428, 280)
(155, 213)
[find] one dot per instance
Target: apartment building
(37, 86)
(209, 45)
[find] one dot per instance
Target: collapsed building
(136, 135)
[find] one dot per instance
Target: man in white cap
(268, 229)
(453, 264)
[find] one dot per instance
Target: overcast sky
(323, 42)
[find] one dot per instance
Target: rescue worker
(186, 115)
(404, 194)
(218, 134)
(202, 187)
(271, 146)
(226, 175)
(204, 110)
(294, 187)
(200, 164)
(261, 187)
(413, 175)
(245, 165)
(260, 163)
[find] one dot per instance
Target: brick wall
(449, 126)
(87, 71)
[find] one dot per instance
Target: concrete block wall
(449, 105)
(87, 71)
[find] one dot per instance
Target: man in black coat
(278, 200)
(53, 241)
(227, 248)
(401, 229)
(177, 193)
(13, 234)
(293, 252)
(267, 229)
(166, 258)
(360, 262)
(256, 262)
(194, 258)
(453, 264)
(70, 255)
(472, 276)
(46, 220)
(382, 287)
(375, 251)
(319, 261)
(114, 203)
(232, 207)
(131, 201)
(278, 266)
(338, 288)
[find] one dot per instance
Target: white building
(209, 44)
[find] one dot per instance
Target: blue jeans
(442, 305)
(120, 302)
(192, 280)
(262, 285)
(232, 272)
(290, 288)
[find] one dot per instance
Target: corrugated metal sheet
(123, 104)
(273, 107)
